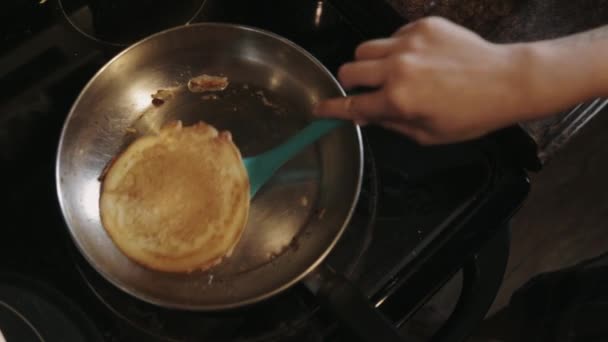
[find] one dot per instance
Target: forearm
(565, 71)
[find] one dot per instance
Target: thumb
(411, 130)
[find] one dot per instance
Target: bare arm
(569, 69)
(438, 82)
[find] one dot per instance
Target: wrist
(555, 76)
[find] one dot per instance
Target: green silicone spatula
(260, 168)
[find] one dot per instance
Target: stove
(424, 212)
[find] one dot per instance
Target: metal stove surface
(412, 196)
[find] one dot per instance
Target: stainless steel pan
(294, 221)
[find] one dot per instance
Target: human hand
(438, 83)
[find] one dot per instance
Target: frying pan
(295, 220)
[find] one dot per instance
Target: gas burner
(32, 311)
(122, 22)
(291, 314)
(279, 316)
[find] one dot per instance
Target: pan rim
(208, 307)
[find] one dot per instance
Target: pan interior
(294, 220)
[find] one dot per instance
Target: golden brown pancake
(177, 201)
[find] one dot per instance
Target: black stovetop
(415, 200)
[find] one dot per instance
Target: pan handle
(351, 307)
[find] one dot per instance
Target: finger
(370, 73)
(400, 127)
(360, 108)
(375, 49)
(404, 29)
(409, 129)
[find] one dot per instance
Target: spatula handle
(303, 138)
(261, 167)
